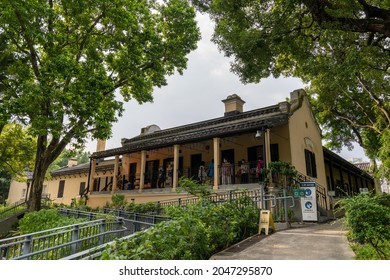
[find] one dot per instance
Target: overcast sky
(196, 95)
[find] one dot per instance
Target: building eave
(335, 158)
(220, 127)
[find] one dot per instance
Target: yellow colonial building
(147, 167)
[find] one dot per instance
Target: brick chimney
(101, 145)
(72, 162)
(233, 105)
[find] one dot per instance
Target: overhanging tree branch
(377, 21)
(34, 58)
(352, 122)
(378, 101)
(359, 104)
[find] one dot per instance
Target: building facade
(148, 167)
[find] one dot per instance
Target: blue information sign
(308, 201)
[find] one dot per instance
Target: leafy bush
(118, 201)
(283, 173)
(177, 239)
(6, 211)
(367, 252)
(193, 187)
(149, 207)
(195, 232)
(44, 219)
(367, 217)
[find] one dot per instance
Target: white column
(175, 167)
(115, 179)
(217, 161)
(268, 151)
(267, 147)
(143, 167)
(92, 174)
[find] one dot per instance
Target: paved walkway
(325, 241)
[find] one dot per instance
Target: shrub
(118, 201)
(193, 187)
(368, 219)
(367, 252)
(195, 232)
(149, 207)
(178, 239)
(283, 173)
(44, 219)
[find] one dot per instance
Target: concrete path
(325, 241)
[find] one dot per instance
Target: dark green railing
(57, 243)
(17, 208)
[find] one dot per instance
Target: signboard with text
(266, 222)
(298, 193)
(309, 202)
(363, 190)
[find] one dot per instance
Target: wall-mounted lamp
(261, 133)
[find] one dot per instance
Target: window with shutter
(311, 168)
(61, 189)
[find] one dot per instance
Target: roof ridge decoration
(296, 101)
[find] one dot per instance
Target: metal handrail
(94, 253)
(62, 241)
(16, 208)
(133, 216)
(320, 192)
(215, 197)
(133, 221)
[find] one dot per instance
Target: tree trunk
(36, 191)
(40, 168)
(373, 171)
(46, 154)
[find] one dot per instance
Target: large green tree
(72, 59)
(5, 181)
(17, 151)
(340, 48)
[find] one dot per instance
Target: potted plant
(283, 173)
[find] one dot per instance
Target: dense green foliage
(17, 150)
(195, 232)
(71, 64)
(5, 181)
(77, 154)
(44, 219)
(193, 187)
(118, 201)
(368, 219)
(6, 211)
(149, 207)
(283, 173)
(340, 48)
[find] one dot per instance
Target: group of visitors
(227, 171)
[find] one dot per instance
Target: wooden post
(175, 167)
(217, 161)
(143, 167)
(92, 175)
(115, 179)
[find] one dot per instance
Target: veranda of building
(288, 132)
